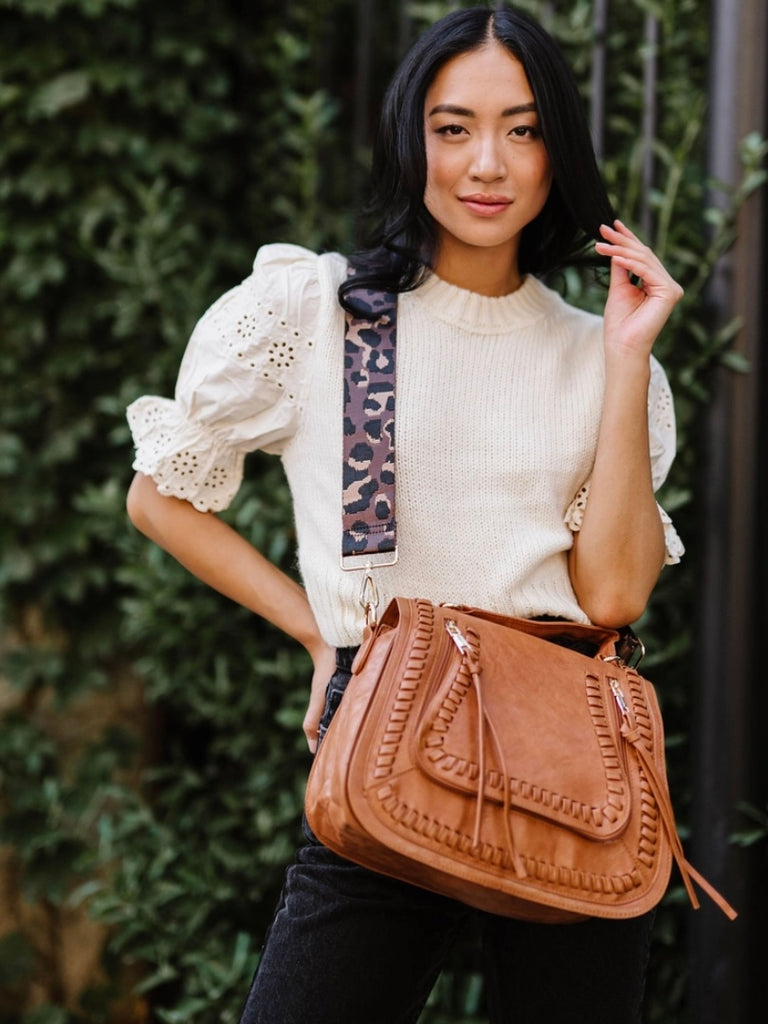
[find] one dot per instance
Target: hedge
(151, 758)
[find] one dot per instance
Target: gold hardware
(373, 560)
(369, 598)
(636, 655)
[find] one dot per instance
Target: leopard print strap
(368, 497)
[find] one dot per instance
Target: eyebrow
(451, 108)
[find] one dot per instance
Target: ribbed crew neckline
(490, 314)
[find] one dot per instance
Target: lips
(485, 204)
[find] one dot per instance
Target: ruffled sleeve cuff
(185, 459)
(240, 383)
(674, 545)
(662, 444)
(574, 517)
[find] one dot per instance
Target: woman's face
(488, 173)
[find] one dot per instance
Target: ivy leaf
(63, 91)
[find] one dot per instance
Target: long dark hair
(404, 241)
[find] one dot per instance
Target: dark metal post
(729, 735)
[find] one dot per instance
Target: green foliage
(758, 830)
(139, 144)
(146, 151)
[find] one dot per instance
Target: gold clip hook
(369, 598)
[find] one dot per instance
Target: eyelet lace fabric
(184, 458)
(661, 433)
(239, 384)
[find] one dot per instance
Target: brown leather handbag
(471, 755)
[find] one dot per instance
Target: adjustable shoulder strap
(368, 498)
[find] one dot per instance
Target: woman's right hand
(219, 556)
(324, 661)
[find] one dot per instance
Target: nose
(487, 162)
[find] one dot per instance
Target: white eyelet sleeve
(663, 441)
(239, 386)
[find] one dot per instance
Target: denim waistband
(345, 656)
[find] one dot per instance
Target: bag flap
(550, 727)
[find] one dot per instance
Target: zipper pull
(457, 636)
(619, 696)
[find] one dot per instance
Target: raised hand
(635, 312)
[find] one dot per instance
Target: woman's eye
(450, 129)
(523, 131)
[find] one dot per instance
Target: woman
(531, 438)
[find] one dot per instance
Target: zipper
(619, 697)
(625, 715)
(457, 636)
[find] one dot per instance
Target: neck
(485, 271)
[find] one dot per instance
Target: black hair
(404, 240)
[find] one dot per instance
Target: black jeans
(349, 946)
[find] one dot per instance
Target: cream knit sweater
(498, 411)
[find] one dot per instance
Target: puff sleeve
(663, 441)
(239, 386)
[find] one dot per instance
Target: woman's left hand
(324, 661)
(635, 313)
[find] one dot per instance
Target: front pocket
(554, 750)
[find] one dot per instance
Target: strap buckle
(369, 599)
(630, 648)
(369, 594)
(368, 560)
